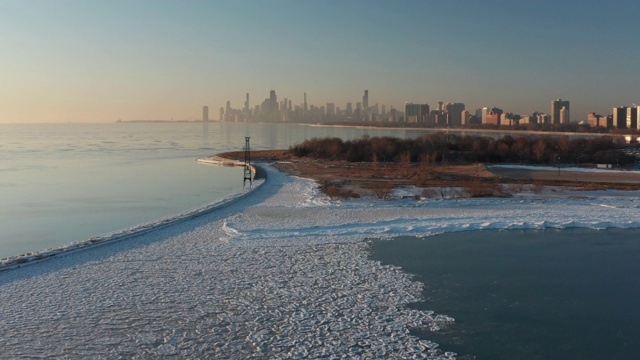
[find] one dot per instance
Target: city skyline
(95, 61)
(271, 110)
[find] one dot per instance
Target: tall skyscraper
(454, 112)
(416, 113)
(205, 113)
(227, 112)
(365, 100)
(246, 103)
(305, 103)
(557, 106)
(273, 97)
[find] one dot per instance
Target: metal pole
(247, 163)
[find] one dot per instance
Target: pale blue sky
(86, 60)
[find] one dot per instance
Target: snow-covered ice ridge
(280, 273)
(9, 262)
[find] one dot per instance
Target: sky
(100, 61)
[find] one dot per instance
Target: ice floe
(281, 272)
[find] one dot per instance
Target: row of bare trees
(442, 147)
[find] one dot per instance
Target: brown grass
(342, 179)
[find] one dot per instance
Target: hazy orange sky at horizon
(99, 61)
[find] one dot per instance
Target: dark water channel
(552, 294)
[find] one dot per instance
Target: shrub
(382, 189)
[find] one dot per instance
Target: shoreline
(343, 180)
(306, 168)
(15, 261)
(284, 273)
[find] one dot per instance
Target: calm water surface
(553, 294)
(61, 183)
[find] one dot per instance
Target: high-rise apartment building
(620, 117)
(560, 111)
(593, 120)
(416, 113)
(632, 118)
(454, 112)
(543, 119)
(464, 117)
(482, 114)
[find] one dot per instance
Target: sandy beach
(281, 272)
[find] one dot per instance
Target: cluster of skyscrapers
(446, 115)
(272, 110)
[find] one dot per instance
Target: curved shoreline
(122, 234)
(268, 277)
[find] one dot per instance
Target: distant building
(464, 117)
(560, 111)
(437, 117)
(595, 120)
(632, 118)
(482, 114)
(527, 119)
(454, 112)
(205, 114)
(505, 120)
(564, 115)
(365, 101)
(227, 112)
(393, 114)
(620, 117)
(305, 107)
(416, 113)
(331, 110)
(543, 119)
(269, 108)
(492, 119)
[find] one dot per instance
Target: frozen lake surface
(281, 272)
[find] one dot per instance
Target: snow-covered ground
(281, 272)
(566, 168)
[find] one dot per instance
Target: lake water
(552, 294)
(62, 183)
